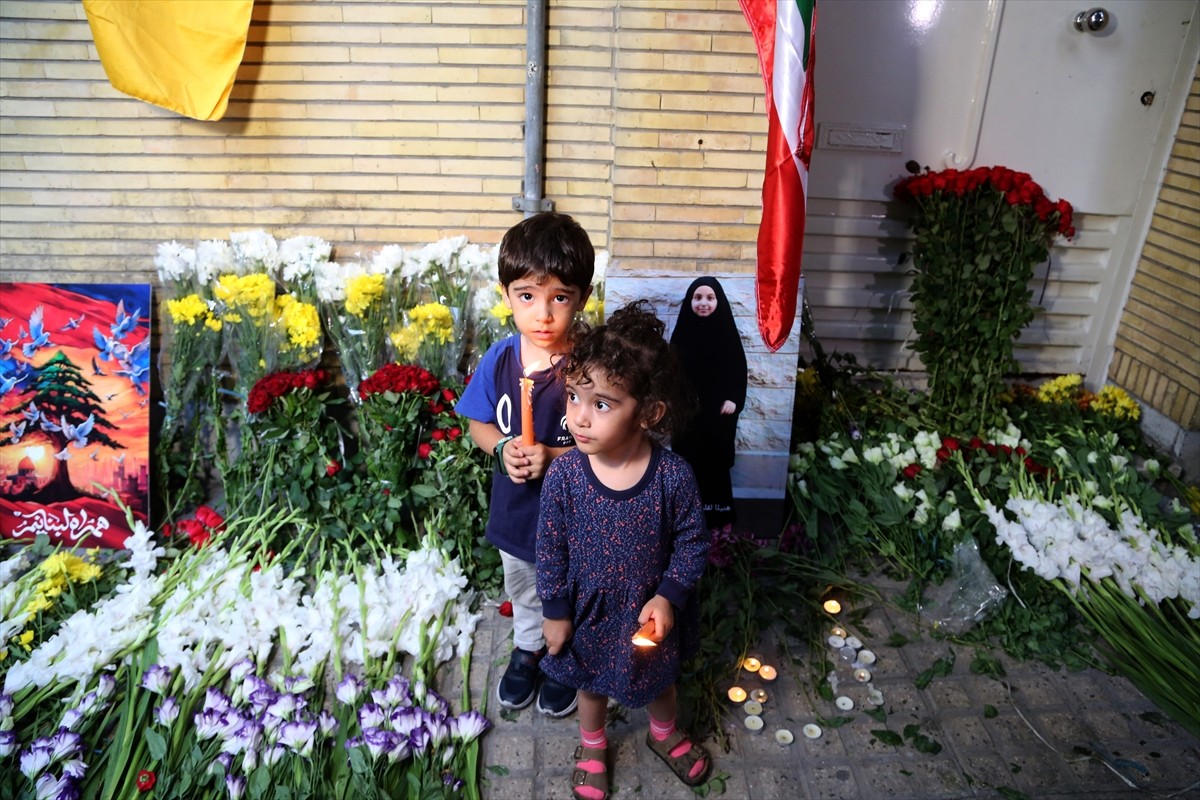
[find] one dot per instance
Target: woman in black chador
(714, 364)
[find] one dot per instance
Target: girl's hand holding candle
(645, 636)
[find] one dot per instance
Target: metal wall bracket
(532, 205)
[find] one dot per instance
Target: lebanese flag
(783, 31)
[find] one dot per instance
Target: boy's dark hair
(545, 245)
(631, 351)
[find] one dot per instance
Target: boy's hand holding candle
(527, 435)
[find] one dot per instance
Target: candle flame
(532, 368)
(642, 637)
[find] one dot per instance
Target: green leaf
(155, 743)
(877, 714)
(990, 712)
(497, 769)
(888, 737)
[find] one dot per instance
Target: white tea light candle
(767, 672)
(862, 675)
(754, 724)
(838, 630)
(812, 731)
(783, 737)
(866, 657)
(753, 708)
(836, 642)
(853, 641)
(844, 703)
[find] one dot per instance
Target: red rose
(506, 609)
(145, 780)
(454, 433)
(976, 443)
(310, 381)
(448, 395)
(438, 435)
(387, 492)
(424, 449)
(209, 518)
(332, 468)
(943, 454)
(166, 529)
(950, 443)
(436, 408)
(912, 470)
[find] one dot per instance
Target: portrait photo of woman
(710, 351)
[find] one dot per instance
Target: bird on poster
(17, 429)
(4, 322)
(108, 397)
(119, 459)
(62, 455)
(124, 323)
(38, 338)
(109, 348)
(31, 412)
(48, 424)
(94, 455)
(73, 323)
(96, 367)
(78, 433)
(7, 384)
(6, 346)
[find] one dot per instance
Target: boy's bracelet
(498, 452)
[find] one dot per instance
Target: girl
(621, 543)
(714, 367)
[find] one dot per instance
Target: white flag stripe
(788, 77)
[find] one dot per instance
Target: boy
(545, 268)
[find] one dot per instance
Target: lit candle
(759, 695)
(784, 737)
(751, 664)
(527, 435)
(862, 675)
(767, 672)
(754, 724)
(832, 606)
(737, 694)
(752, 708)
(642, 637)
(838, 630)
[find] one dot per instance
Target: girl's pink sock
(661, 730)
(596, 740)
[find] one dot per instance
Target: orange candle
(527, 437)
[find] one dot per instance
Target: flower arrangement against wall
(978, 236)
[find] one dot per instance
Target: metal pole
(531, 200)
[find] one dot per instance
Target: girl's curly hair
(630, 351)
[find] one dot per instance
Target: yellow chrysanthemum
(501, 312)
(38, 602)
(213, 324)
(1060, 390)
(25, 640)
(407, 341)
(63, 566)
(254, 294)
(301, 321)
(188, 310)
(361, 293)
(1114, 402)
(433, 321)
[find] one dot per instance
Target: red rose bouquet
(979, 236)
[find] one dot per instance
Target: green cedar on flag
(783, 31)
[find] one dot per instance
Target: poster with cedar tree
(74, 411)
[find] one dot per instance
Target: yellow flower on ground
(254, 294)
(188, 310)
(1114, 402)
(362, 291)
(214, 324)
(433, 321)
(501, 311)
(25, 640)
(1061, 389)
(39, 602)
(407, 341)
(300, 320)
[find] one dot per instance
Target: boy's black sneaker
(519, 682)
(555, 699)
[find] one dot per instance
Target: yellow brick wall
(388, 121)
(1157, 352)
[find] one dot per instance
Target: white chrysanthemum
(478, 262)
(300, 255)
(601, 271)
(214, 257)
(387, 260)
(255, 251)
(174, 261)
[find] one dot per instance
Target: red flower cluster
(271, 387)
(146, 780)
(1018, 188)
(950, 445)
(199, 530)
(399, 378)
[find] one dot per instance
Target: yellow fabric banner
(178, 54)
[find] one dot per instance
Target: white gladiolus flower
(952, 522)
(850, 456)
(873, 455)
(902, 491)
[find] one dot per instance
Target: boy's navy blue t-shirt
(494, 395)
